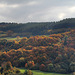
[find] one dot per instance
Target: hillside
(53, 53)
(48, 47)
(36, 28)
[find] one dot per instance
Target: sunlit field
(9, 38)
(37, 72)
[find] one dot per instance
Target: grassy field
(37, 72)
(9, 38)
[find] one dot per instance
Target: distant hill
(38, 28)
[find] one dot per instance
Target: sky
(22, 11)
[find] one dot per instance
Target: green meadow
(10, 38)
(37, 72)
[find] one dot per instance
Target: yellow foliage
(49, 30)
(22, 58)
(16, 42)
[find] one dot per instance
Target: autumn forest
(48, 47)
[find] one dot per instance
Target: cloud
(61, 15)
(32, 3)
(72, 9)
(11, 6)
(36, 10)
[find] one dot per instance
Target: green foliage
(7, 69)
(41, 28)
(37, 72)
(45, 53)
(50, 67)
(28, 72)
(72, 66)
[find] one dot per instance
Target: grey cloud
(36, 10)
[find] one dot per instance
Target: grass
(37, 72)
(2, 35)
(9, 38)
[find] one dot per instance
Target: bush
(17, 70)
(28, 72)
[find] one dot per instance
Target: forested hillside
(36, 28)
(53, 53)
(48, 46)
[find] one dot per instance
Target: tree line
(53, 53)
